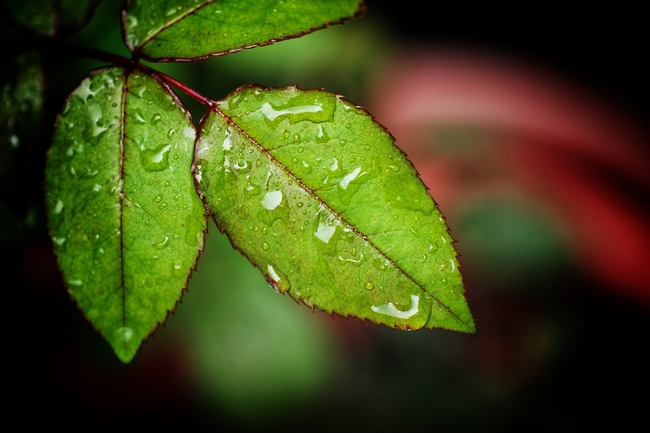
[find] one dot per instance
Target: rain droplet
(156, 159)
(158, 199)
(369, 285)
(265, 246)
(272, 200)
(59, 207)
(162, 244)
(124, 333)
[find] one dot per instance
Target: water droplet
(264, 230)
(390, 310)
(349, 177)
(58, 241)
(369, 285)
(124, 333)
(272, 200)
(301, 149)
(162, 244)
(272, 113)
(58, 207)
(158, 199)
(138, 116)
(325, 230)
(156, 118)
(251, 190)
(265, 246)
(156, 159)
(274, 275)
(171, 133)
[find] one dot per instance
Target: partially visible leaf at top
(194, 29)
(50, 18)
(20, 140)
(313, 191)
(125, 219)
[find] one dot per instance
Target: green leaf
(50, 18)
(21, 147)
(194, 29)
(125, 219)
(313, 191)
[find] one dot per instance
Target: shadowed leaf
(189, 29)
(125, 219)
(312, 190)
(21, 147)
(50, 18)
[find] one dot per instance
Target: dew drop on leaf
(156, 159)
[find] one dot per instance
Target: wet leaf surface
(313, 191)
(188, 29)
(125, 220)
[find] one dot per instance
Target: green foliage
(316, 195)
(309, 187)
(129, 230)
(191, 29)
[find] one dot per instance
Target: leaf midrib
(171, 23)
(121, 189)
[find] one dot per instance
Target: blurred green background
(559, 347)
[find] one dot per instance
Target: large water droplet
(349, 178)
(162, 244)
(272, 200)
(390, 310)
(156, 159)
(271, 113)
(274, 275)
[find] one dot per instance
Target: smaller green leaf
(125, 219)
(50, 18)
(315, 194)
(195, 29)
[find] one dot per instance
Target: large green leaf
(125, 219)
(50, 18)
(192, 29)
(313, 191)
